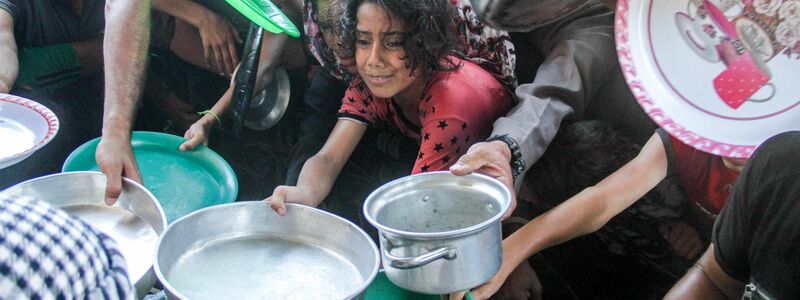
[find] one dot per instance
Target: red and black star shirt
(457, 109)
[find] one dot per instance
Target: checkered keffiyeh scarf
(46, 254)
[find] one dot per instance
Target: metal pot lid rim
(444, 234)
(161, 276)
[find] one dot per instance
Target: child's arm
(584, 213)
(271, 52)
(320, 171)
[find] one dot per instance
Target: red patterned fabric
(456, 110)
(704, 177)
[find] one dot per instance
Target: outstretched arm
(320, 171)
(584, 213)
(125, 45)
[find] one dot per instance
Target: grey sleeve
(533, 123)
(10, 7)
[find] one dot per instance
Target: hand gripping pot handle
(445, 252)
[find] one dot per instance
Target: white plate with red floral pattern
(720, 75)
(25, 126)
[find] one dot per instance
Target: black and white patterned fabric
(47, 254)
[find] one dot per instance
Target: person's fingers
(482, 292)
(235, 32)
(113, 182)
(208, 55)
(191, 143)
(277, 201)
(457, 295)
(467, 163)
(225, 54)
(219, 59)
(234, 56)
(131, 171)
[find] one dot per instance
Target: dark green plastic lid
(265, 14)
(181, 181)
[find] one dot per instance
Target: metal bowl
(245, 250)
(134, 222)
(267, 108)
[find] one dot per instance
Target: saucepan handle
(396, 262)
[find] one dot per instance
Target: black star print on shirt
(427, 136)
(463, 126)
(438, 147)
(425, 168)
(351, 99)
(442, 124)
(446, 159)
(421, 154)
(454, 140)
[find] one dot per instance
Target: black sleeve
(667, 141)
(10, 7)
(731, 236)
(756, 236)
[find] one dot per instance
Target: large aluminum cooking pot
(245, 250)
(134, 222)
(439, 233)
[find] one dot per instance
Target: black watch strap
(517, 163)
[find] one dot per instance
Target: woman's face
(379, 52)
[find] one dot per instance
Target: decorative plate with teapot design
(721, 75)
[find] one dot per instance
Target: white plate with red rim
(720, 75)
(25, 126)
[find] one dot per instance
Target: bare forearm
(318, 176)
(185, 10)
(576, 217)
(593, 207)
(125, 48)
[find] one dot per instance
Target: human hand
(219, 39)
(491, 159)
(114, 155)
(683, 238)
(196, 134)
(521, 283)
(290, 194)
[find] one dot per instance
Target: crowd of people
(606, 204)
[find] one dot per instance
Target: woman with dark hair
(411, 80)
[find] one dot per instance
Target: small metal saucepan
(439, 233)
(245, 250)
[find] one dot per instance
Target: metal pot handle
(445, 252)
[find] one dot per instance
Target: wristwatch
(517, 163)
